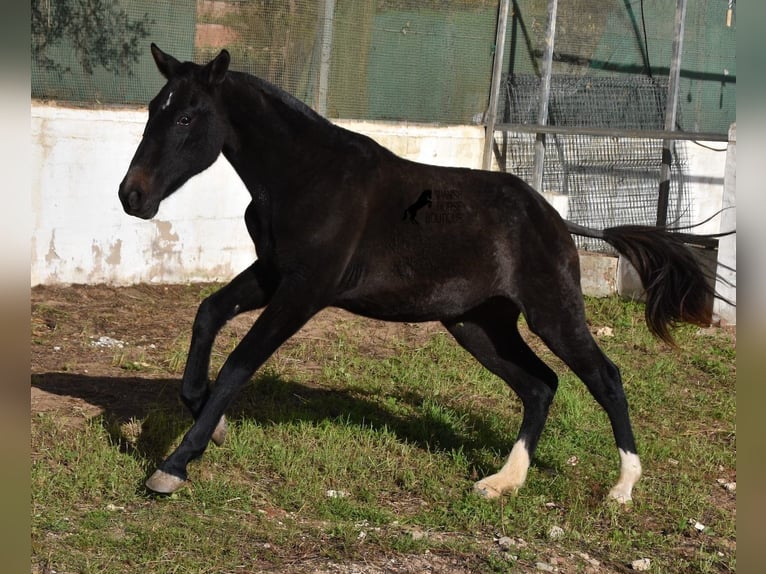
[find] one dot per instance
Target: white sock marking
(515, 469)
(510, 477)
(630, 472)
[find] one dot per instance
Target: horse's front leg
(287, 312)
(250, 290)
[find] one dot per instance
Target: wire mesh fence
(610, 69)
(431, 61)
(428, 60)
(608, 180)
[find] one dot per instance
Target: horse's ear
(166, 64)
(217, 68)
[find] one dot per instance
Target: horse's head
(183, 136)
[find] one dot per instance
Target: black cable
(646, 42)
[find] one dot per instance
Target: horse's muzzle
(134, 198)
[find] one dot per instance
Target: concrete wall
(725, 312)
(81, 234)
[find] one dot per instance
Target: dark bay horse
(338, 220)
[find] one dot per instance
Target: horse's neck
(272, 136)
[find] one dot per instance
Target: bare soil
(89, 341)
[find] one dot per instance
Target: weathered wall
(725, 311)
(81, 234)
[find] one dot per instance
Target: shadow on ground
(269, 400)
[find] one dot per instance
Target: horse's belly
(416, 301)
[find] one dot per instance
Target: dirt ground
(81, 333)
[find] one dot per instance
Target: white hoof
(163, 483)
(620, 495)
(630, 472)
(219, 434)
(486, 490)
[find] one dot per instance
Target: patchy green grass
(340, 455)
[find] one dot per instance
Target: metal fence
(590, 91)
(607, 180)
(609, 68)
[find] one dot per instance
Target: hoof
(163, 483)
(485, 490)
(219, 434)
(620, 496)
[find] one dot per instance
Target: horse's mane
(296, 107)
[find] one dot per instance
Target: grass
(335, 455)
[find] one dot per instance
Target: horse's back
(437, 241)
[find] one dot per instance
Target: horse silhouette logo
(412, 211)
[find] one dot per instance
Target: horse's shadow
(270, 399)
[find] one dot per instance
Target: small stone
(555, 532)
(108, 342)
(337, 493)
(641, 565)
(730, 486)
(543, 567)
(505, 543)
(587, 557)
(417, 534)
(605, 332)
(697, 525)
(572, 461)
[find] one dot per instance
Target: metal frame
(668, 135)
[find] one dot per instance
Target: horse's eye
(184, 120)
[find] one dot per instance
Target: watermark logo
(444, 206)
(411, 213)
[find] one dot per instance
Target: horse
(326, 221)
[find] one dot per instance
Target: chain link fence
(610, 71)
(431, 61)
(401, 60)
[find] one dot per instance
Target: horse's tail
(677, 287)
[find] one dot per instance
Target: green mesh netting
(427, 61)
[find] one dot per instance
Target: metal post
(324, 62)
(494, 90)
(670, 113)
(545, 91)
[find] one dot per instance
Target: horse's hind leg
(250, 290)
(562, 327)
(491, 335)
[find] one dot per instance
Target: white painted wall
(81, 234)
(706, 170)
(725, 312)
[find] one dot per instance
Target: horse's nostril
(134, 199)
